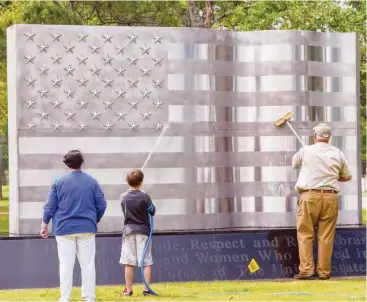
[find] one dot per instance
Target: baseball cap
(323, 130)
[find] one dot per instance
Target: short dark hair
(135, 178)
(73, 159)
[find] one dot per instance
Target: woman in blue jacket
(76, 205)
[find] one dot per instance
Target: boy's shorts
(132, 250)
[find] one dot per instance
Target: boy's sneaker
(147, 293)
(126, 293)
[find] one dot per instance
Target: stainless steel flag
(205, 101)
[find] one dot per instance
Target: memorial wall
(182, 258)
(202, 102)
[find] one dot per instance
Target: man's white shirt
(321, 166)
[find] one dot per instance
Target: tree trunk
(209, 18)
(198, 20)
(194, 13)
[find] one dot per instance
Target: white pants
(84, 246)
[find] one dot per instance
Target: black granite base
(33, 263)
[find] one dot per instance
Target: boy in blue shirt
(136, 206)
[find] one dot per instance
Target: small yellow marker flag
(253, 266)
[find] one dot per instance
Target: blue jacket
(75, 204)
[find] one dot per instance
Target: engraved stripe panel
(261, 53)
(248, 174)
(164, 160)
(57, 145)
(192, 190)
(218, 221)
(34, 209)
(242, 69)
(103, 176)
(268, 83)
(207, 113)
(258, 98)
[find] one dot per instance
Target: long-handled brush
(285, 120)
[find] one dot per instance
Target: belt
(320, 191)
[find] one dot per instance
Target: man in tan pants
(322, 166)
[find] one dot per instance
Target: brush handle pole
(295, 133)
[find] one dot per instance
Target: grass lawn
(331, 290)
(5, 194)
(4, 203)
(4, 225)
(4, 208)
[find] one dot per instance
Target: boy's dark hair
(73, 159)
(135, 178)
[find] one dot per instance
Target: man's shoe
(324, 277)
(303, 277)
(126, 293)
(147, 293)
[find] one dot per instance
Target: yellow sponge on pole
(282, 120)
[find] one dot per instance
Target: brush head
(282, 120)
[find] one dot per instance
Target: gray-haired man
(322, 167)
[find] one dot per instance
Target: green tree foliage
(131, 13)
(326, 15)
